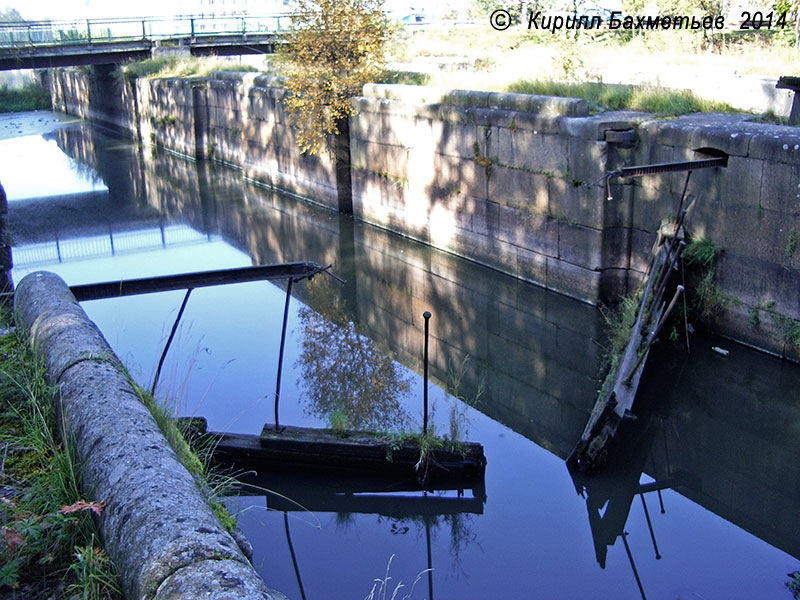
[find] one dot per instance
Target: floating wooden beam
(353, 452)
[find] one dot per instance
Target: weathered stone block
(580, 245)
(455, 139)
(538, 153)
(587, 160)
(616, 248)
(729, 138)
(740, 182)
(641, 249)
(458, 175)
(651, 209)
(385, 159)
(518, 188)
(573, 280)
(756, 282)
(594, 127)
(780, 187)
(578, 204)
(782, 146)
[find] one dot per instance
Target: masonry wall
(512, 181)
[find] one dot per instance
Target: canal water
(699, 501)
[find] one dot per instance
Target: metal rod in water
(169, 341)
(280, 353)
(427, 316)
(633, 565)
(650, 526)
(430, 557)
(294, 556)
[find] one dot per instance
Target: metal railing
(82, 31)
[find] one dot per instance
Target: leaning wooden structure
(614, 403)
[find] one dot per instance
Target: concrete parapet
(156, 525)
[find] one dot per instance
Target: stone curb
(157, 526)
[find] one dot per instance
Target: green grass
(32, 97)
(791, 242)
(605, 96)
(404, 77)
(48, 540)
(179, 67)
(701, 251)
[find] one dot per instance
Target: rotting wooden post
(427, 316)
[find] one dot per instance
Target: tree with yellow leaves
(333, 49)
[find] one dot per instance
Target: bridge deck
(42, 44)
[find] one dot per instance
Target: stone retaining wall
(514, 181)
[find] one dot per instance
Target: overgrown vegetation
(48, 544)
(170, 66)
(31, 97)
(334, 48)
(606, 96)
(619, 319)
(705, 299)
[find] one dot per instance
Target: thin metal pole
(427, 316)
(280, 354)
(633, 565)
(291, 551)
(430, 557)
(650, 526)
(169, 341)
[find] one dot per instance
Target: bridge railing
(82, 31)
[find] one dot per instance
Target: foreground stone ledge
(157, 526)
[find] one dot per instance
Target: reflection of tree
(460, 527)
(345, 378)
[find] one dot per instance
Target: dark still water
(700, 501)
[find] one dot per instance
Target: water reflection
(714, 441)
(345, 378)
(399, 507)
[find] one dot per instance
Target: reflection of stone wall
(731, 425)
(513, 181)
(529, 346)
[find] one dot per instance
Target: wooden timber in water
(615, 401)
(353, 452)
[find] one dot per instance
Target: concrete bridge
(43, 44)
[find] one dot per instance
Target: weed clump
(606, 96)
(31, 97)
(48, 540)
(170, 66)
